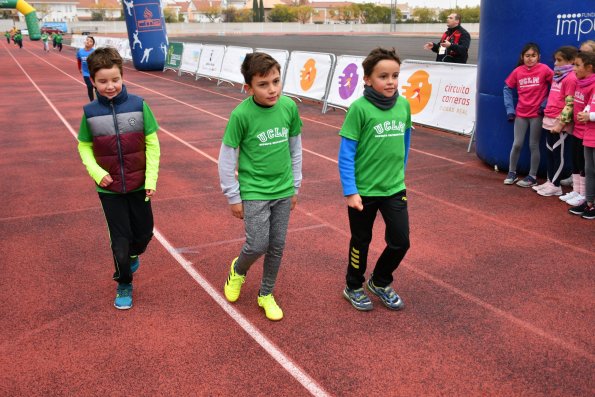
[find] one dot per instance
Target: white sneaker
(576, 201)
(552, 190)
(547, 184)
(568, 196)
(567, 181)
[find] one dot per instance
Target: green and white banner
(173, 59)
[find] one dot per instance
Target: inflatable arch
(506, 25)
(30, 16)
(146, 33)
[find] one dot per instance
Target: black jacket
(458, 51)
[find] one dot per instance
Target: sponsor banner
(347, 83)
(146, 34)
(308, 74)
(441, 95)
(232, 64)
(173, 59)
(78, 41)
(281, 56)
(211, 60)
(190, 58)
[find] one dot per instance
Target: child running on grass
(375, 139)
(262, 140)
(584, 128)
(531, 79)
(119, 147)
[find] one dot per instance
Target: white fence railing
(441, 95)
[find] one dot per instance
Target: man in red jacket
(454, 44)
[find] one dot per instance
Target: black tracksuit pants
(130, 222)
(394, 212)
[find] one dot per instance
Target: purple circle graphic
(348, 81)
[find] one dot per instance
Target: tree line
(302, 11)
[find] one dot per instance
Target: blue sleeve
(543, 104)
(347, 152)
(407, 146)
(508, 101)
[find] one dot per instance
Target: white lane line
(292, 368)
(467, 296)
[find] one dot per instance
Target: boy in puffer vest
(119, 147)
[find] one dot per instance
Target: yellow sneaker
(234, 282)
(271, 309)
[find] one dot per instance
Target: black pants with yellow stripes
(394, 212)
(130, 222)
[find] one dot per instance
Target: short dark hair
(376, 55)
(104, 58)
(258, 63)
(588, 58)
(92, 38)
(457, 17)
(567, 52)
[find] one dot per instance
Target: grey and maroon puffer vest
(117, 128)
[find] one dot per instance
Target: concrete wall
(248, 28)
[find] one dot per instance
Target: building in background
(99, 10)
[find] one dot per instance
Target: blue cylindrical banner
(506, 25)
(146, 33)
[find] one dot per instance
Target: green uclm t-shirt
(262, 135)
(380, 155)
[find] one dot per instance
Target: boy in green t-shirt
(18, 38)
(375, 140)
(58, 41)
(119, 147)
(44, 39)
(262, 140)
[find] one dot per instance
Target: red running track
(498, 283)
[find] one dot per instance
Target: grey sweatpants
(520, 130)
(266, 228)
(589, 173)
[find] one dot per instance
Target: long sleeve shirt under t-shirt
(265, 144)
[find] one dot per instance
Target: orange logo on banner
(308, 74)
(418, 91)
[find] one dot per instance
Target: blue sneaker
(528, 181)
(123, 299)
(358, 299)
(510, 178)
(134, 263)
(387, 295)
